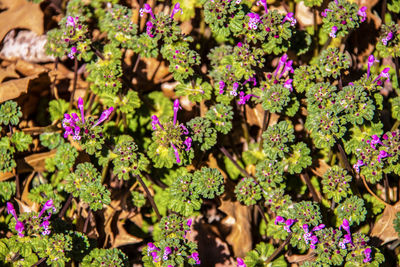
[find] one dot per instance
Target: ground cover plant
(209, 132)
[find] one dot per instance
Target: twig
(316, 39)
(344, 157)
(383, 11)
(65, 207)
(149, 197)
(307, 180)
(229, 156)
(53, 83)
(71, 100)
(278, 250)
(136, 64)
(266, 119)
(85, 226)
(386, 184)
(39, 262)
(372, 193)
(262, 213)
(396, 64)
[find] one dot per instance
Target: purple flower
(195, 256)
(324, 13)
(281, 63)
(188, 143)
(221, 87)
(104, 116)
(45, 224)
(72, 53)
(367, 254)
(361, 12)
(358, 165)
(234, 89)
(388, 37)
(155, 121)
(176, 9)
(155, 256)
(149, 27)
(151, 247)
(253, 21)
(244, 98)
(167, 251)
(371, 61)
(240, 262)
(71, 21)
(189, 222)
(178, 160)
(290, 17)
(48, 205)
(19, 227)
(382, 154)
(11, 210)
(333, 32)
(289, 223)
(318, 227)
(147, 9)
(264, 4)
(176, 108)
(345, 225)
(279, 219)
(384, 74)
(80, 106)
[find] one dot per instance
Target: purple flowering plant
(205, 132)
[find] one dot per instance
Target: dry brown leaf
(37, 161)
(155, 69)
(8, 72)
(238, 219)
(29, 69)
(255, 115)
(321, 169)
(14, 88)
(5, 176)
(20, 14)
(300, 258)
(123, 238)
(384, 228)
(23, 207)
(25, 193)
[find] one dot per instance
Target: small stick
(85, 226)
(278, 250)
(149, 197)
(386, 184)
(65, 207)
(262, 213)
(266, 119)
(39, 262)
(229, 156)
(372, 193)
(314, 194)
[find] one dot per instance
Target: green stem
(313, 192)
(266, 119)
(395, 126)
(71, 99)
(229, 156)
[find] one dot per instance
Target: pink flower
(264, 4)
(221, 87)
(361, 12)
(176, 9)
(71, 21)
(371, 61)
(240, 262)
(253, 21)
(104, 115)
(147, 9)
(290, 17)
(72, 53)
(176, 108)
(333, 32)
(388, 37)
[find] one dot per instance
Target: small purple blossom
(71, 21)
(279, 219)
(388, 37)
(188, 143)
(240, 262)
(147, 9)
(48, 205)
(358, 165)
(382, 154)
(167, 251)
(19, 227)
(178, 159)
(176, 9)
(72, 53)
(361, 12)
(264, 4)
(289, 223)
(11, 210)
(80, 107)
(195, 256)
(290, 17)
(325, 12)
(189, 222)
(105, 115)
(45, 224)
(221, 87)
(345, 225)
(253, 21)
(371, 61)
(155, 121)
(176, 108)
(384, 74)
(333, 32)
(149, 27)
(367, 254)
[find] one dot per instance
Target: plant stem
(278, 250)
(316, 41)
(65, 207)
(307, 180)
(266, 119)
(387, 188)
(395, 126)
(39, 262)
(71, 99)
(229, 156)
(136, 64)
(396, 64)
(259, 207)
(85, 226)
(383, 11)
(372, 193)
(53, 83)
(149, 197)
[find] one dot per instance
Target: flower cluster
(85, 130)
(168, 138)
(34, 224)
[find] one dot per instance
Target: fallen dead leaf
(25, 193)
(37, 161)
(123, 238)
(23, 207)
(321, 169)
(14, 88)
(255, 115)
(29, 69)
(20, 14)
(8, 72)
(384, 228)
